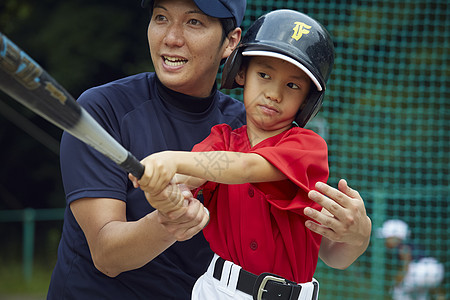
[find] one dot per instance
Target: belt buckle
(264, 281)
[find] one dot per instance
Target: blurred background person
(416, 273)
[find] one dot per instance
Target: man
(114, 245)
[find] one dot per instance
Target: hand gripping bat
(25, 81)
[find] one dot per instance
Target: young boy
(258, 176)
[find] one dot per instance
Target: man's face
(186, 46)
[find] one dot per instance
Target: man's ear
(234, 37)
(240, 77)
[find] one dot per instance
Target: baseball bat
(28, 83)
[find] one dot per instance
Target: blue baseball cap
(218, 8)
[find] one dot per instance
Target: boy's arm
(218, 166)
(223, 166)
(189, 181)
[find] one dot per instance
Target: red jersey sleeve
(302, 156)
(218, 140)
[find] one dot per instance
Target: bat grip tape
(133, 166)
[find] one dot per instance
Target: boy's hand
(159, 171)
(156, 182)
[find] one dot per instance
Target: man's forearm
(340, 255)
(124, 246)
(343, 224)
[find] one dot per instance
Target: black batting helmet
(293, 37)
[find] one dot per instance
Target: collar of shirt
(183, 101)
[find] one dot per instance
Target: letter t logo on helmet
(299, 30)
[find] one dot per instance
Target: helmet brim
(296, 63)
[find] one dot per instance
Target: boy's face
(186, 46)
(392, 242)
(273, 92)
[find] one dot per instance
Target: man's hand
(172, 201)
(343, 222)
(188, 221)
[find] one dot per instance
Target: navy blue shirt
(145, 117)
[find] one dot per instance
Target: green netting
(386, 118)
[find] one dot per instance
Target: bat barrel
(25, 81)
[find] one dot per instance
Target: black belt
(265, 286)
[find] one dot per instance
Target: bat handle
(133, 166)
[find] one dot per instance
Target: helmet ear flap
(310, 109)
(231, 68)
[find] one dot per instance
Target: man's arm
(343, 223)
(117, 246)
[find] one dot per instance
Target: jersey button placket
(251, 193)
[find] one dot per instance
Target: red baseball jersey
(261, 226)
